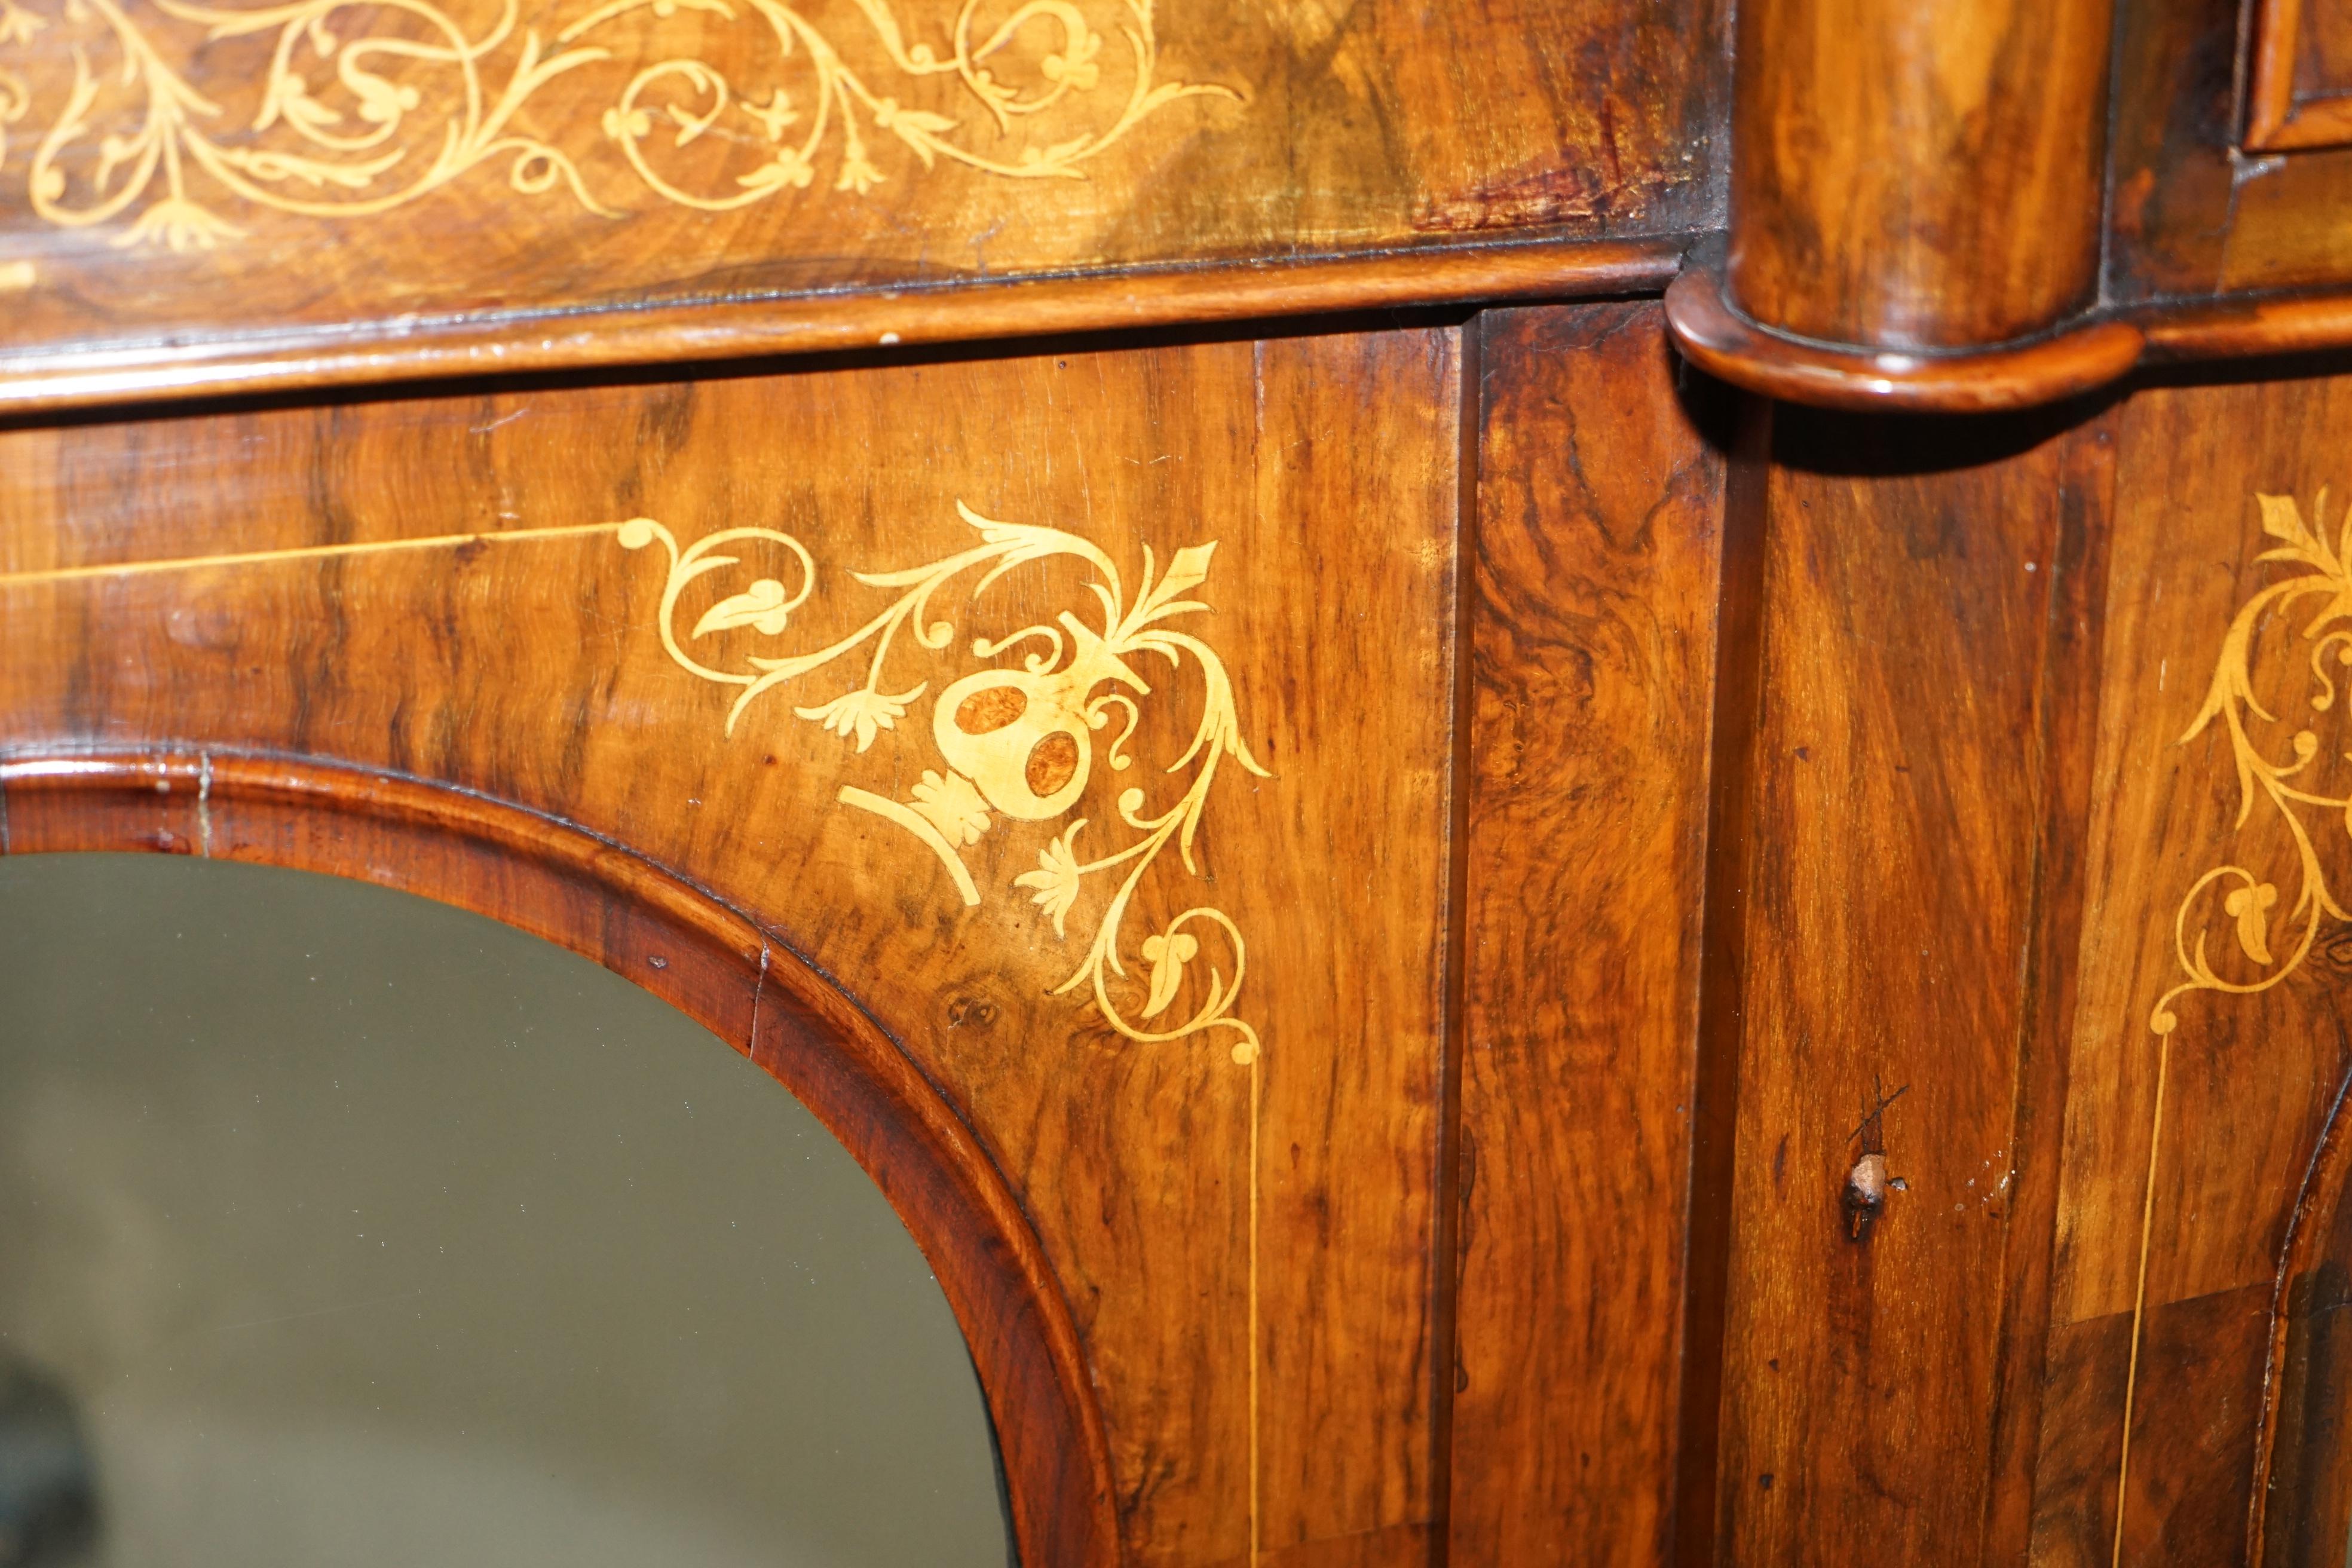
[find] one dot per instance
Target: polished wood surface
(1915, 594)
(180, 174)
(1593, 669)
(2302, 1504)
(2297, 92)
(40, 382)
(2196, 1111)
(1908, 177)
(1716, 336)
(2191, 219)
(1511, 867)
(2217, 191)
(1245, 1246)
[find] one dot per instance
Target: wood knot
(976, 1011)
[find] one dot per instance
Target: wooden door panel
(1225, 1134)
(2195, 1109)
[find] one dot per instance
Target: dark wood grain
(1910, 586)
(2171, 188)
(2298, 76)
(1351, 1134)
(1356, 128)
(2172, 1227)
(2083, 1367)
(1723, 969)
(2068, 743)
(1598, 507)
(2302, 1475)
(2191, 215)
(2194, 1419)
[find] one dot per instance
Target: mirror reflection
(341, 1228)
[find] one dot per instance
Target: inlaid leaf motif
(1079, 673)
(863, 712)
(1188, 568)
(417, 136)
(952, 806)
(2314, 603)
(1057, 878)
(760, 606)
(1167, 956)
(2251, 907)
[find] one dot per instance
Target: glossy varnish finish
(1915, 625)
(1244, 1249)
(568, 164)
(2174, 1216)
(2223, 183)
(1906, 177)
(2299, 71)
(1596, 542)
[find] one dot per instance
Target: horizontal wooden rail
(740, 327)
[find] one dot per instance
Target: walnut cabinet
(1551, 784)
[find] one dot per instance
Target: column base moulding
(2081, 356)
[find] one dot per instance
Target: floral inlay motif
(2282, 787)
(1017, 742)
(367, 105)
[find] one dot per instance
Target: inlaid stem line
(301, 552)
(2139, 1292)
(1256, 1065)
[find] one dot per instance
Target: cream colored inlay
(952, 810)
(1015, 741)
(367, 105)
(2247, 899)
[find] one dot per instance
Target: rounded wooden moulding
(1723, 342)
(598, 899)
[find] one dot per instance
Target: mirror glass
(339, 1227)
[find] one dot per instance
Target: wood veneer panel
(1244, 1246)
(2184, 1154)
(1352, 1128)
(840, 161)
(1914, 606)
(1599, 502)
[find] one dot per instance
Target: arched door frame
(713, 962)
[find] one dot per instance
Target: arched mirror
(341, 1226)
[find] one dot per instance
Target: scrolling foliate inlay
(2280, 796)
(351, 107)
(1015, 742)
(2283, 788)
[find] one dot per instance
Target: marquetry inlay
(367, 105)
(1015, 743)
(2285, 793)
